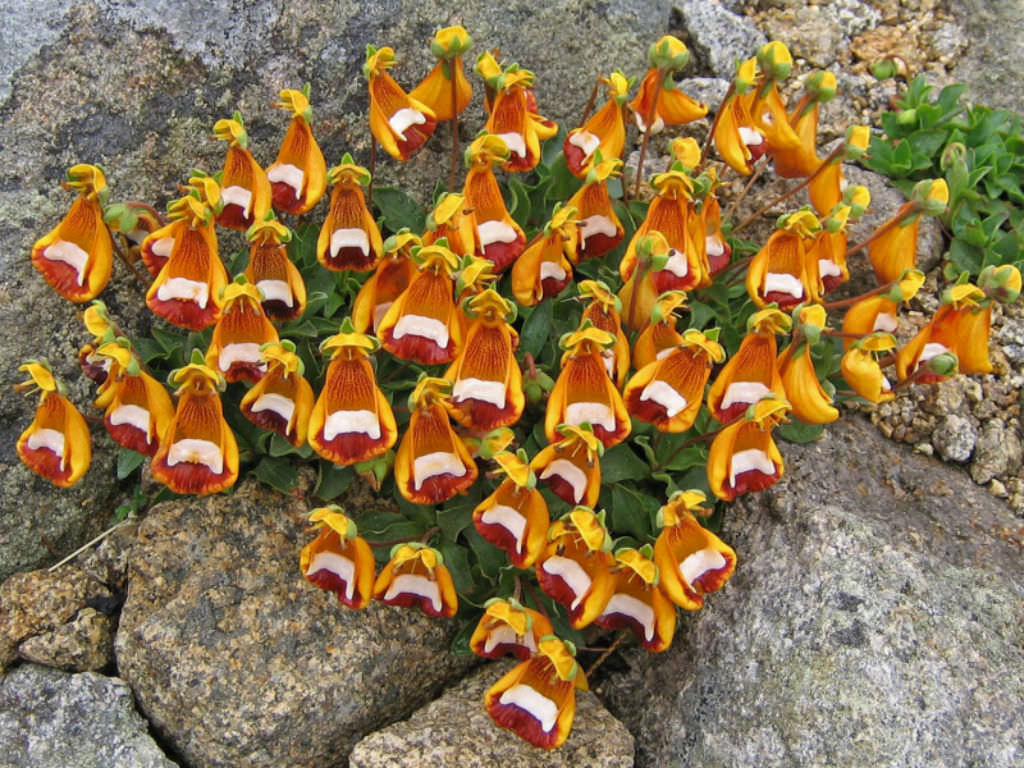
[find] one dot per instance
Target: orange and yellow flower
(893, 247)
(454, 221)
(571, 467)
(537, 699)
(245, 190)
(56, 445)
(187, 291)
(515, 517)
(670, 214)
(351, 421)
(298, 177)
(487, 385)
(668, 392)
(692, 561)
(501, 238)
(239, 333)
(198, 452)
(513, 117)
(811, 404)
(401, 123)
(282, 290)
(753, 371)
(76, 256)
(600, 229)
(282, 400)
(424, 324)
(637, 604)
(604, 313)
(575, 568)
(584, 393)
(338, 559)
(416, 575)
(862, 371)
(137, 407)
(395, 270)
(545, 267)
(803, 160)
(349, 237)
(743, 456)
(659, 103)
(604, 132)
(779, 271)
(960, 327)
(509, 627)
(437, 91)
(660, 337)
(432, 464)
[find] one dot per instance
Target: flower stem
(147, 207)
(648, 119)
(124, 258)
(455, 135)
(591, 101)
(789, 193)
(607, 652)
(854, 299)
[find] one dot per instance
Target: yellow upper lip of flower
(509, 614)
(230, 131)
(769, 320)
(87, 178)
(199, 374)
(589, 528)
(513, 466)
(642, 566)
(275, 352)
(429, 389)
(490, 300)
(40, 374)
(555, 651)
(349, 340)
(235, 291)
(334, 519)
(694, 338)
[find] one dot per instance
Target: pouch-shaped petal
(351, 420)
(399, 122)
(508, 627)
(637, 604)
(537, 699)
(157, 245)
(743, 458)
(501, 238)
(282, 401)
(139, 413)
(187, 291)
(692, 561)
(422, 324)
(600, 229)
(432, 464)
(278, 279)
(76, 257)
(238, 335)
(338, 560)
(576, 571)
(514, 518)
(417, 576)
(245, 189)
(584, 393)
(198, 452)
(668, 393)
(751, 374)
(56, 445)
(487, 385)
(298, 177)
(349, 238)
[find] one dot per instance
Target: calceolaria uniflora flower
(76, 257)
(56, 445)
(544, 374)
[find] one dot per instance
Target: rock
(231, 653)
(50, 719)
(992, 29)
(812, 33)
(54, 614)
(85, 643)
(998, 449)
(874, 618)
(456, 730)
(954, 437)
(718, 37)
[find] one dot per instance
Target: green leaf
(454, 519)
(537, 328)
(456, 559)
(491, 558)
(127, 462)
(631, 511)
(278, 473)
(333, 481)
(398, 209)
(621, 463)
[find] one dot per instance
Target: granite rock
(236, 660)
(51, 719)
(874, 619)
(992, 29)
(456, 730)
(56, 617)
(717, 36)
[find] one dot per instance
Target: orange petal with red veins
(352, 420)
(76, 257)
(198, 453)
(56, 445)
